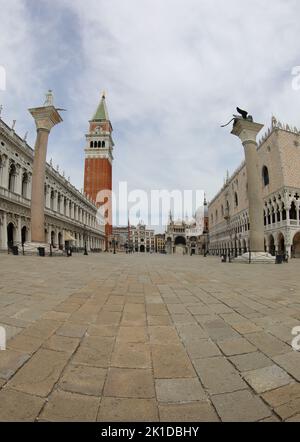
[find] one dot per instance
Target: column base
(256, 258)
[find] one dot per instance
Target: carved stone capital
(246, 130)
(45, 117)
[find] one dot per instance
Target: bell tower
(99, 158)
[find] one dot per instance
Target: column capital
(45, 117)
(246, 130)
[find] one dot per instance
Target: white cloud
(174, 70)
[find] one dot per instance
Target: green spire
(101, 112)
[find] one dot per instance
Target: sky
(173, 72)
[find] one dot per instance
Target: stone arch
(180, 240)
(281, 243)
(271, 244)
(24, 234)
(11, 234)
(60, 240)
(296, 245)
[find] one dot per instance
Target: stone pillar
(55, 201)
(247, 131)
(45, 119)
(18, 180)
(288, 208)
(48, 196)
(19, 230)
(5, 164)
(4, 232)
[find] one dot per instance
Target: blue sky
(173, 71)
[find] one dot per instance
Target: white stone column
(46, 118)
(5, 163)
(19, 230)
(247, 132)
(4, 232)
(288, 208)
(18, 180)
(55, 200)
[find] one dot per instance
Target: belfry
(98, 161)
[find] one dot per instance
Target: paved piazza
(146, 337)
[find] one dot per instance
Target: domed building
(189, 236)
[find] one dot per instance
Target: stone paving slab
(240, 406)
(148, 338)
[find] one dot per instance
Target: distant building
(134, 238)
(279, 166)
(160, 243)
(189, 236)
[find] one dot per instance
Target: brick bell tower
(99, 158)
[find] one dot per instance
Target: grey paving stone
(251, 361)
(267, 378)
(218, 375)
(179, 390)
(240, 406)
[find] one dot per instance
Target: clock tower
(98, 160)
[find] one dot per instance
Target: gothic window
(236, 199)
(99, 143)
(265, 174)
(12, 178)
(103, 143)
(278, 214)
(293, 211)
(91, 144)
(95, 144)
(24, 184)
(283, 212)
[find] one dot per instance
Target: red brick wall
(97, 177)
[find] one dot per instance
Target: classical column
(19, 230)
(48, 196)
(4, 232)
(4, 175)
(247, 131)
(19, 178)
(45, 118)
